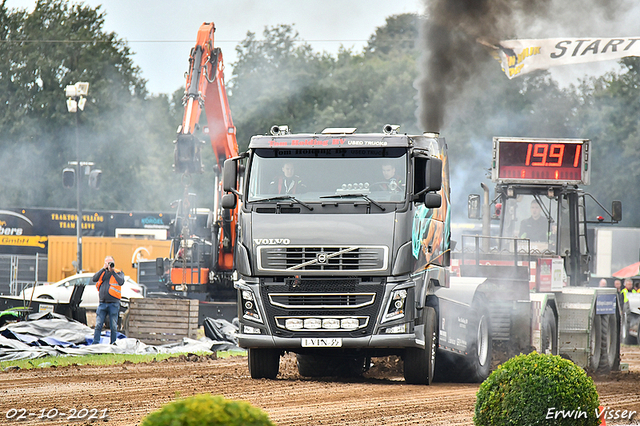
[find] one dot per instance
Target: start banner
(523, 56)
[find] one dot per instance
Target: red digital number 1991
(548, 155)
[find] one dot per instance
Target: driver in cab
(392, 182)
(288, 182)
(535, 227)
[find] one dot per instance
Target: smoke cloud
(452, 33)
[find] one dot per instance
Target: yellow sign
(22, 240)
(68, 221)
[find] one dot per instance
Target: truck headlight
(251, 330)
(294, 324)
(396, 306)
(331, 323)
(249, 308)
(312, 323)
(350, 323)
(396, 329)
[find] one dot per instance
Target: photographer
(108, 282)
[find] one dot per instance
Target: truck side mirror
(432, 201)
(428, 178)
(230, 176)
(473, 206)
(229, 201)
(433, 174)
(616, 211)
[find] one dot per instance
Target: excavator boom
(205, 89)
(196, 260)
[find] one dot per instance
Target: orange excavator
(202, 255)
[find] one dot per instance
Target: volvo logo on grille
(321, 257)
(271, 241)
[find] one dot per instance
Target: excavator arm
(205, 90)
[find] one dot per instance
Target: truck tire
(549, 333)
(595, 342)
(609, 352)
(478, 359)
(312, 365)
(263, 363)
(419, 363)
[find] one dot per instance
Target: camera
(111, 264)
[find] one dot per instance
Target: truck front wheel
(419, 363)
(263, 363)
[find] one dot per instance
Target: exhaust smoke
(458, 36)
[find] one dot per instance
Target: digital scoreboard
(554, 161)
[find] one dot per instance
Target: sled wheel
(549, 333)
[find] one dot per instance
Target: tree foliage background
(277, 79)
(122, 129)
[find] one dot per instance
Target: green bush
(207, 410)
(537, 389)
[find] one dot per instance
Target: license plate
(322, 343)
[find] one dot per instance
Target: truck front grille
(322, 258)
(328, 301)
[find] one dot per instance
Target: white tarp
(523, 56)
(55, 335)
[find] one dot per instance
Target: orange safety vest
(114, 287)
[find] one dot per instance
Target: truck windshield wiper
(366, 197)
(283, 198)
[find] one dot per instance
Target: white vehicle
(61, 290)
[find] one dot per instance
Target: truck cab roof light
(339, 131)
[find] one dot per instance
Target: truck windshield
(311, 174)
(534, 218)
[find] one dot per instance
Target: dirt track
(130, 391)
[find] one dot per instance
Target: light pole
(76, 98)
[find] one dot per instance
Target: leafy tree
(368, 92)
(119, 130)
(282, 81)
(275, 81)
(398, 36)
(608, 112)
(392, 52)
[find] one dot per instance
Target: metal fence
(20, 271)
